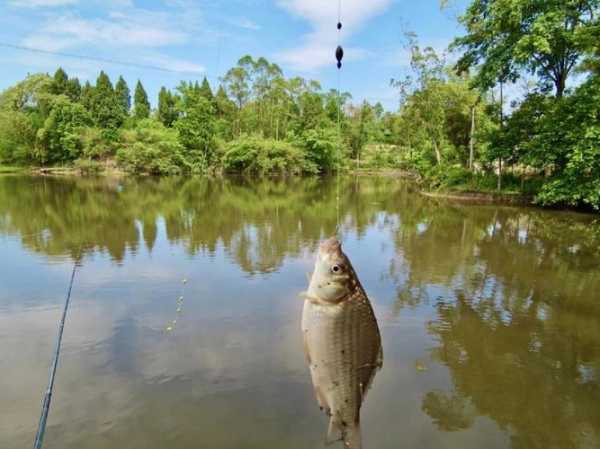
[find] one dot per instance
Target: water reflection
(259, 223)
(502, 305)
(517, 323)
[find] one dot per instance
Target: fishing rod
(39, 437)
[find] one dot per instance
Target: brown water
(490, 316)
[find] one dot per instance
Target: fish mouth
(329, 247)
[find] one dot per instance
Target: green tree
(225, 112)
(105, 107)
(206, 91)
(59, 139)
(73, 90)
(141, 108)
(167, 112)
(507, 37)
(87, 95)
(123, 95)
(59, 82)
(197, 127)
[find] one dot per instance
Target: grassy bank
(4, 169)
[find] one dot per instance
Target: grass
(10, 169)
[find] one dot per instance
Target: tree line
(453, 126)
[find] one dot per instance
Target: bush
(322, 148)
(151, 148)
(257, 155)
(87, 166)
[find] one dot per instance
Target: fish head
(331, 280)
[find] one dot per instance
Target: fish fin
(352, 437)
(306, 296)
(306, 350)
(333, 432)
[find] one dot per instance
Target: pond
(184, 326)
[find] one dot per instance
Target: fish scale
(343, 348)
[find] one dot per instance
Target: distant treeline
(452, 126)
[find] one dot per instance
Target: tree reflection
(517, 300)
(258, 223)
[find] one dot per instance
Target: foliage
(141, 108)
(256, 155)
(104, 105)
(59, 139)
(167, 112)
(196, 126)
(151, 148)
(323, 149)
(545, 38)
(123, 95)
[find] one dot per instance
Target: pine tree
(142, 105)
(105, 108)
(87, 94)
(59, 82)
(206, 91)
(123, 95)
(73, 89)
(166, 107)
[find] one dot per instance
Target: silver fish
(341, 341)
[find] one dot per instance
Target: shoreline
(467, 197)
(474, 197)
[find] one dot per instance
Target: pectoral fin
(333, 432)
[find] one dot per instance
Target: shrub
(151, 148)
(87, 166)
(258, 155)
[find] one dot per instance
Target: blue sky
(206, 37)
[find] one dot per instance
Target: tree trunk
(560, 84)
(438, 155)
(501, 126)
(472, 138)
(499, 173)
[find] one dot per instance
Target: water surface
(490, 316)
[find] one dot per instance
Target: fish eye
(336, 269)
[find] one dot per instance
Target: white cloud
(319, 45)
(42, 3)
(141, 30)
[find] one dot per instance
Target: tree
(59, 139)
(123, 95)
(426, 102)
(105, 107)
(206, 91)
(87, 95)
(225, 112)
(196, 126)
(167, 112)
(141, 108)
(73, 90)
(59, 82)
(507, 37)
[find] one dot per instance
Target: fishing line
(339, 54)
(39, 437)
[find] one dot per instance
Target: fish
(342, 342)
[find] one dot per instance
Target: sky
(165, 41)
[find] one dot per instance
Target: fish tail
(352, 437)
